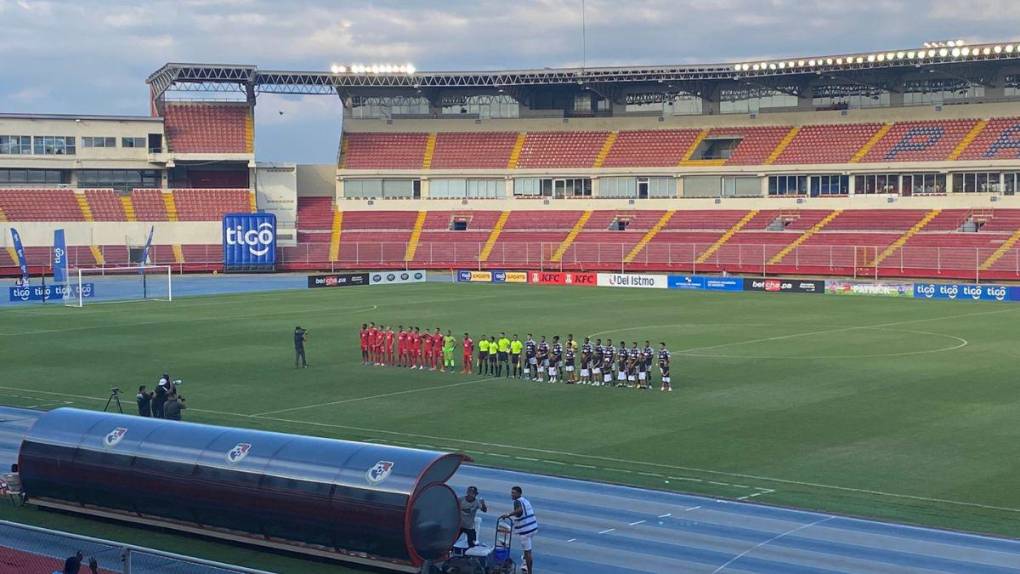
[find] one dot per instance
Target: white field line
(628, 462)
(373, 397)
(207, 318)
(844, 329)
(769, 541)
(621, 461)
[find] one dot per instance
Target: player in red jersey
(415, 348)
(426, 351)
(372, 332)
(401, 341)
(380, 340)
(364, 344)
(469, 349)
(388, 345)
(437, 350)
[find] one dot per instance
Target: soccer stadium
(816, 256)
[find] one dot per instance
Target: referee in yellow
(503, 346)
(483, 355)
(516, 346)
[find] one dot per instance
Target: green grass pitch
(895, 409)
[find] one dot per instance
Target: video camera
(115, 391)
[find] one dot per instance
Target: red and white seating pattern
(561, 149)
(40, 205)
(210, 204)
(202, 127)
(473, 150)
(384, 150)
(650, 148)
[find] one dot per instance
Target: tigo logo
(258, 241)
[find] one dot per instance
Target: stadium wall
(40, 233)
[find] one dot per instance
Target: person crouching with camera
(174, 406)
(144, 400)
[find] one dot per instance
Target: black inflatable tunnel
(369, 503)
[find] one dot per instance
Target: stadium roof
(977, 64)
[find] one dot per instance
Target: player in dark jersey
(608, 360)
(622, 357)
(664, 359)
(543, 359)
(586, 362)
(596, 363)
(648, 355)
(569, 367)
(530, 355)
(634, 361)
(555, 360)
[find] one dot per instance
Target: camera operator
(144, 400)
(174, 406)
(161, 395)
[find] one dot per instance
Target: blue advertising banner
(59, 257)
(705, 283)
(965, 292)
(50, 292)
(249, 240)
(19, 249)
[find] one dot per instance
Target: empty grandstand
(893, 163)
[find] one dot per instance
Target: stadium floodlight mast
(943, 50)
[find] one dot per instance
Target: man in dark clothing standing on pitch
(299, 346)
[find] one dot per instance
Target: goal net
(140, 283)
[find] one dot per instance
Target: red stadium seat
(208, 127)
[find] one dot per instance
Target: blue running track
(594, 528)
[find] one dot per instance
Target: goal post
(135, 283)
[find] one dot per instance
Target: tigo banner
(19, 250)
(394, 277)
(965, 292)
(59, 257)
(632, 280)
(49, 292)
(881, 289)
(249, 239)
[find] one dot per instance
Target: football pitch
(895, 409)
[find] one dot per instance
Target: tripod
(114, 398)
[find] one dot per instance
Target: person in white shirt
(525, 524)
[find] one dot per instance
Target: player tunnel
(379, 505)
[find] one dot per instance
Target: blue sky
(91, 56)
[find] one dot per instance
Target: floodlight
(943, 52)
(828, 61)
(986, 51)
(950, 43)
(800, 63)
(1009, 48)
(782, 65)
(871, 58)
(811, 63)
(757, 67)
(965, 51)
(860, 60)
(900, 55)
(411, 69)
(955, 52)
(997, 49)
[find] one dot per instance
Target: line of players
(598, 364)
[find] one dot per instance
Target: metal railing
(755, 259)
(34, 549)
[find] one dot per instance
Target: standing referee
(503, 347)
(299, 347)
